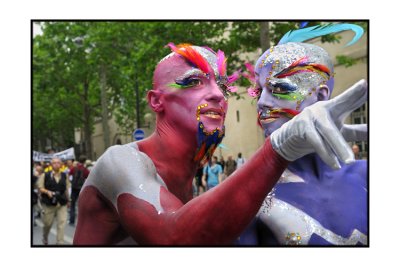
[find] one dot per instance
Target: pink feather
(249, 67)
(221, 63)
(232, 89)
(251, 76)
(233, 78)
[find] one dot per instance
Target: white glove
(317, 129)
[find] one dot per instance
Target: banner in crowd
(63, 155)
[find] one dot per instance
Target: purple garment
(337, 199)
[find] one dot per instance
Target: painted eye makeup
(187, 82)
(284, 90)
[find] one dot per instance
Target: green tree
(64, 84)
(84, 71)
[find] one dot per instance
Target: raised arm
(217, 217)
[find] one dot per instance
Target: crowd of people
(215, 172)
(55, 190)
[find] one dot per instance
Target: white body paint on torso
(283, 219)
(124, 169)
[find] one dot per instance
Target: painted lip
(268, 119)
(270, 115)
(213, 113)
(264, 118)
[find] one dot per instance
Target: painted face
(194, 89)
(290, 77)
(190, 94)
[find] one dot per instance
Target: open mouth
(212, 113)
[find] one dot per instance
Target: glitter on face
(211, 58)
(189, 79)
(203, 129)
(287, 66)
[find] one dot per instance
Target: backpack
(77, 179)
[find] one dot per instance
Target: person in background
(88, 164)
(38, 170)
(240, 160)
(230, 166)
(356, 151)
(199, 187)
(79, 174)
(221, 162)
(214, 173)
(53, 186)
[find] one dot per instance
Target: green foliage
(68, 56)
(59, 71)
(345, 60)
(278, 29)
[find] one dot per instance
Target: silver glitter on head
(207, 54)
(192, 72)
(282, 56)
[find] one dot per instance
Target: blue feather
(303, 24)
(305, 34)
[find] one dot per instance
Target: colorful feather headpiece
(190, 54)
(221, 65)
(303, 65)
(308, 33)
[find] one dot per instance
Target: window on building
(237, 116)
(359, 116)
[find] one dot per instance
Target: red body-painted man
(141, 193)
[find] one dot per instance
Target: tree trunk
(104, 106)
(87, 149)
(264, 36)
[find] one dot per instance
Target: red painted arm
(214, 218)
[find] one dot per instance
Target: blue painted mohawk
(308, 33)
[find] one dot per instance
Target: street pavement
(38, 230)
